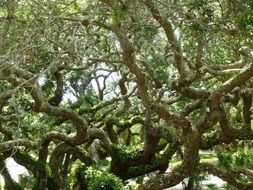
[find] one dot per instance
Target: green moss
(125, 155)
(77, 174)
(94, 178)
(105, 181)
(143, 169)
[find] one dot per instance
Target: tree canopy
(126, 84)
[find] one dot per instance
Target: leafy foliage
(95, 178)
(98, 91)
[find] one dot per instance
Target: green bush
(94, 177)
(77, 175)
(238, 155)
(105, 181)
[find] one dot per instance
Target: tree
(136, 81)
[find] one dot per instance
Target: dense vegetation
(93, 93)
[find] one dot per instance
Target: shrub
(105, 181)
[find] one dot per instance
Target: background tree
(135, 81)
